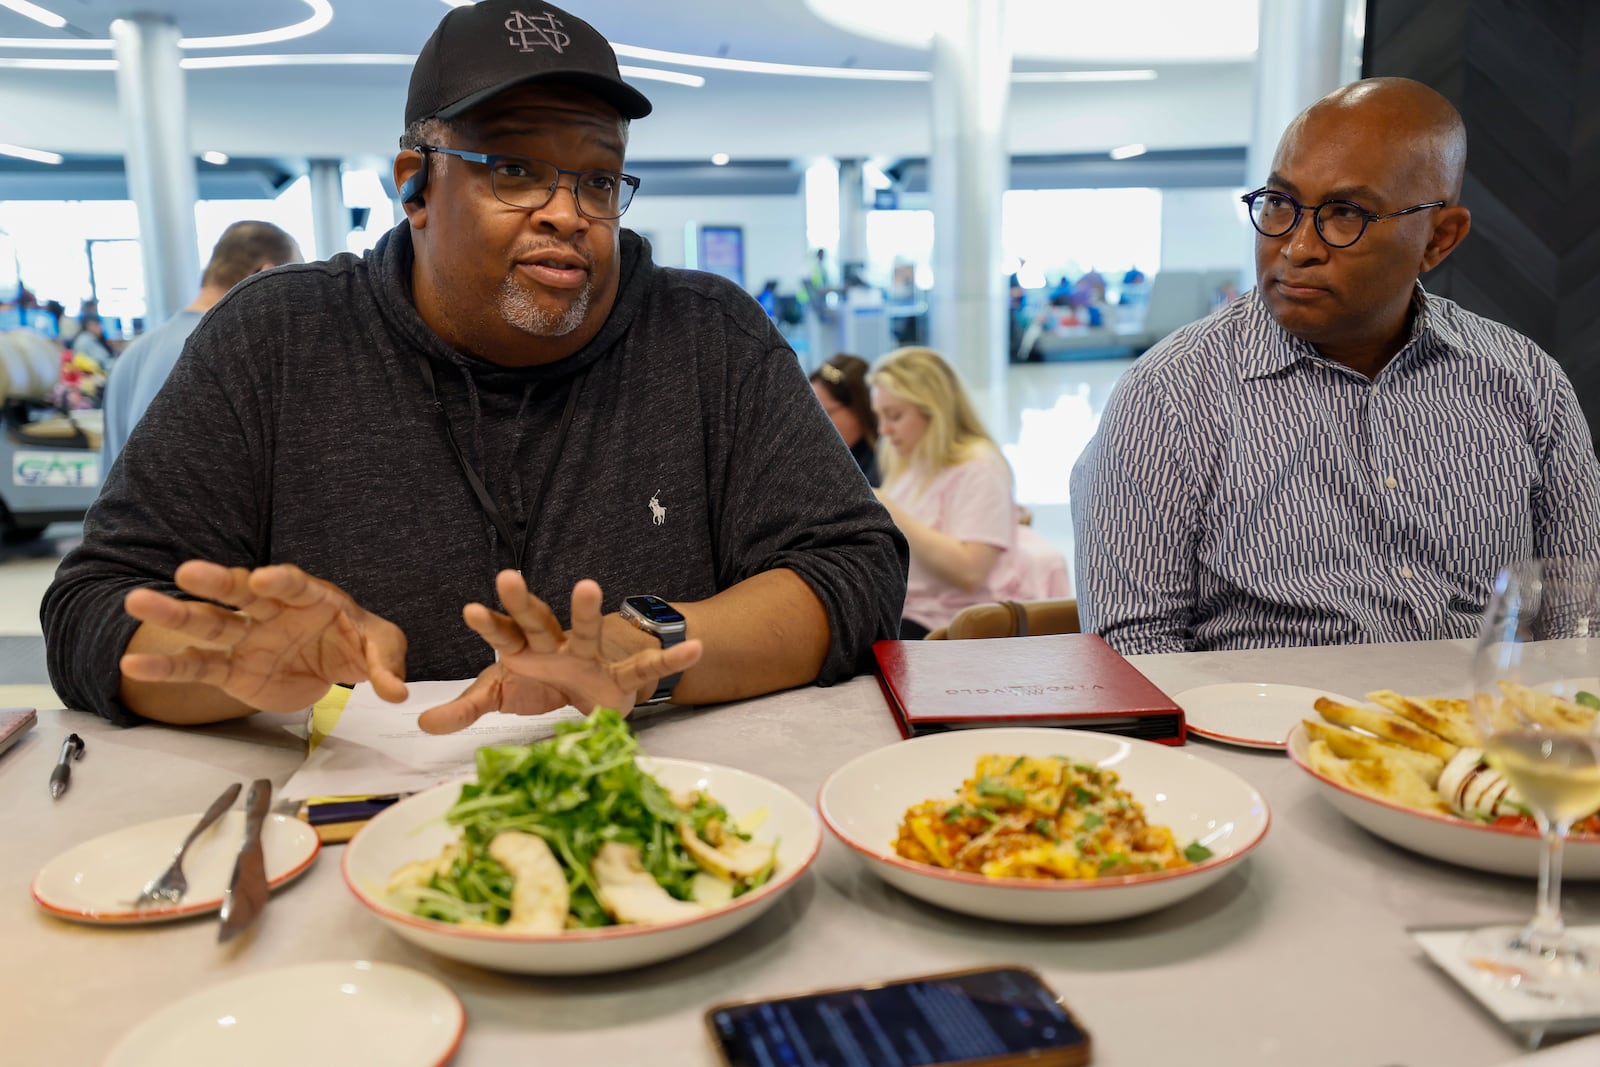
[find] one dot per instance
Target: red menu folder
(1069, 680)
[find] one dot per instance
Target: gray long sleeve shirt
(298, 427)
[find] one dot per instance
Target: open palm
(541, 668)
(287, 638)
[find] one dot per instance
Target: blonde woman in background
(949, 489)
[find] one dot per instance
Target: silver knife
(247, 889)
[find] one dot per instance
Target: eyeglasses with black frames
(531, 183)
(1340, 223)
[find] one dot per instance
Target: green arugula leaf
(578, 790)
(1197, 853)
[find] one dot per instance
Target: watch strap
(667, 684)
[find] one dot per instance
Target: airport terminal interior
(799, 160)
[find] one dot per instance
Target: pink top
(971, 501)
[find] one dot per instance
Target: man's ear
(1450, 227)
(411, 178)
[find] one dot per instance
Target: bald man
(1336, 456)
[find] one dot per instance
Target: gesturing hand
(289, 637)
(540, 668)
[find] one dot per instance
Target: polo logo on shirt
(538, 31)
(658, 514)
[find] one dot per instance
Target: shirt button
(1405, 572)
(1391, 483)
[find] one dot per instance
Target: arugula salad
(570, 833)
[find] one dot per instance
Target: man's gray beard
(520, 310)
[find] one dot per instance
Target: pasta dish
(1041, 818)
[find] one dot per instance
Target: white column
(1299, 59)
(852, 215)
(969, 170)
(159, 164)
(330, 217)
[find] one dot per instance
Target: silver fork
(170, 885)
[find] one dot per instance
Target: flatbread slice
(1450, 719)
(1386, 725)
(1558, 713)
(1396, 782)
(1347, 744)
(1387, 779)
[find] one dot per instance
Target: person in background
(502, 443)
(58, 313)
(841, 388)
(949, 489)
(245, 248)
(768, 298)
(1337, 456)
(90, 341)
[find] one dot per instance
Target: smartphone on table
(988, 1017)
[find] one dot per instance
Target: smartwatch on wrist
(655, 616)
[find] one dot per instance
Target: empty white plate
(1252, 714)
(330, 1014)
(97, 881)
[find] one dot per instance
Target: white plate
(330, 1014)
(97, 881)
(415, 829)
(1251, 714)
(864, 801)
(1498, 849)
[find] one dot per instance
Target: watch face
(654, 609)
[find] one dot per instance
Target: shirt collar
(1281, 349)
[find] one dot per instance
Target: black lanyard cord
(478, 490)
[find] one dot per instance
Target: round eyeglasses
(532, 183)
(1340, 223)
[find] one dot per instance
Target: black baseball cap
(488, 47)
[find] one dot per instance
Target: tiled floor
(1054, 409)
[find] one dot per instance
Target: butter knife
(247, 889)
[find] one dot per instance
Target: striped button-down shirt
(1243, 491)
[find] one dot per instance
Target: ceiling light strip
(33, 154)
(299, 59)
(387, 59)
(7, 63)
(321, 15)
(749, 66)
(1043, 76)
(35, 12)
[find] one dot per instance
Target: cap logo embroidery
(539, 31)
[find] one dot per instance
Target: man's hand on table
(287, 638)
(540, 668)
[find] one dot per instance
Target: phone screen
(944, 1019)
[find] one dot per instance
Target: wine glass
(1533, 700)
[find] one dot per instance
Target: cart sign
(41, 469)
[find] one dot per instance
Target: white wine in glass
(1534, 685)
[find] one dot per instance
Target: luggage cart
(49, 460)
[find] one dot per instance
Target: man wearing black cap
(506, 382)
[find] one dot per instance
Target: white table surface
(1299, 958)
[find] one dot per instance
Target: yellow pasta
(1040, 818)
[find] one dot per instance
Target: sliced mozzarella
(1473, 789)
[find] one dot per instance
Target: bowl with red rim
(415, 829)
(864, 801)
(1498, 847)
